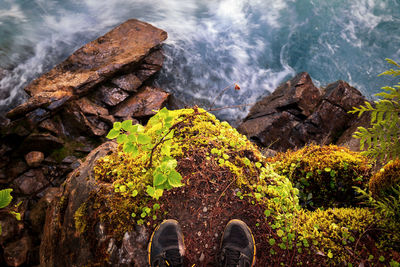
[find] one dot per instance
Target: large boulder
(60, 232)
(297, 113)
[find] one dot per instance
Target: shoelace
(174, 258)
(232, 258)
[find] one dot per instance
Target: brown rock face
(297, 113)
(34, 158)
(78, 249)
(98, 60)
(142, 104)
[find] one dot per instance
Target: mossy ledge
(213, 157)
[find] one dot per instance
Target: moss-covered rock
(108, 211)
(382, 182)
(324, 175)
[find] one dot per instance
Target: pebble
(199, 233)
(202, 256)
(205, 209)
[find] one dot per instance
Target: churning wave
(212, 44)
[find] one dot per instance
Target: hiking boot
(166, 246)
(237, 245)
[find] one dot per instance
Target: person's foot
(237, 245)
(166, 246)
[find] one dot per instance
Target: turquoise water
(211, 44)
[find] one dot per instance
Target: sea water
(212, 44)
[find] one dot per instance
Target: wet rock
(16, 253)
(31, 182)
(96, 61)
(142, 104)
(111, 95)
(34, 158)
(43, 142)
(53, 125)
(89, 108)
(297, 113)
(41, 100)
(129, 82)
(77, 123)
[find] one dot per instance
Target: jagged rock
(59, 230)
(98, 60)
(129, 82)
(34, 158)
(16, 253)
(43, 142)
(111, 95)
(142, 104)
(53, 125)
(297, 113)
(31, 182)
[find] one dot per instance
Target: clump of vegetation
(382, 182)
(147, 163)
(167, 158)
(335, 233)
(382, 138)
(324, 175)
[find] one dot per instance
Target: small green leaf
(134, 193)
(151, 191)
(131, 148)
(144, 214)
(174, 179)
(143, 139)
(122, 188)
(122, 138)
(258, 164)
(272, 241)
(117, 126)
(267, 213)
(113, 134)
(159, 179)
(381, 258)
(225, 156)
(156, 206)
(126, 125)
(133, 215)
(280, 233)
(5, 197)
(330, 255)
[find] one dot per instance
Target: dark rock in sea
(298, 113)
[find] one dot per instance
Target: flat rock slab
(98, 60)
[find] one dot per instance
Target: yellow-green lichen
(381, 183)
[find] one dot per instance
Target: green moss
(381, 183)
(324, 175)
(80, 218)
(336, 231)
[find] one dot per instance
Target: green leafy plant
(382, 138)
(136, 138)
(5, 200)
